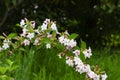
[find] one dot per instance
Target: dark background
(96, 21)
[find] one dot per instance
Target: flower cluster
(67, 42)
(46, 34)
(5, 44)
(76, 62)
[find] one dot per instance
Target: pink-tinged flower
(72, 43)
(90, 74)
(69, 62)
(22, 23)
(47, 21)
(53, 26)
(77, 61)
(80, 68)
(76, 52)
(93, 75)
(104, 76)
(25, 31)
(96, 77)
(5, 45)
(26, 42)
(49, 35)
(68, 48)
(61, 39)
(44, 27)
(87, 53)
(32, 24)
(30, 35)
(66, 41)
(87, 67)
(48, 46)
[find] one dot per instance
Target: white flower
(72, 43)
(6, 41)
(77, 61)
(93, 75)
(76, 52)
(68, 43)
(26, 42)
(48, 46)
(5, 45)
(104, 76)
(87, 67)
(87, 53)
(22, 23)
(30, 35)
(24, 32)
(53, 26)
(80, 68)
(44, 27)
(69, 62)
(90, 74)
(36, 42)
(96, 77)
(61, 39)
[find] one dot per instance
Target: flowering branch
(46, 35)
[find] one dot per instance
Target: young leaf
(12, 35)
(73, 36)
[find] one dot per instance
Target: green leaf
(54, 33)
(12, 35)
(73, 36)
(82, 57)
(83, 45)
(21, 49)
(3, 70)
(18, 25)
(60, 47)
(46, 40)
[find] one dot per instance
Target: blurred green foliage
(96, 21)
